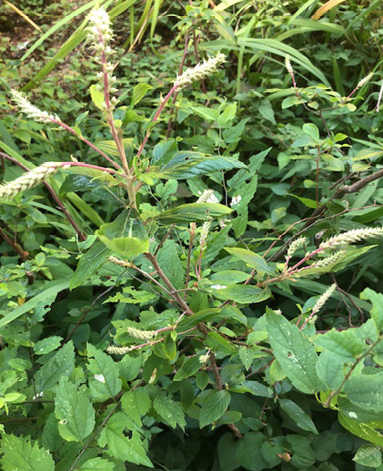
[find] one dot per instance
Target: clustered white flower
(200, 71)
(350, 237)
(29, 179)
(100, 35)
(141, 334)
(323, 299)
(31, 110)
(294, 246)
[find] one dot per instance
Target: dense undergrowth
(191, 255)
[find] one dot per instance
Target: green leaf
(170, 263)
(170, 411)
(97, 96)
(119, 445)
(244, 294)
(294, 353)
(89, 263)
(298, 415)
(186, 165)
(61, 365)
(330, 370)
(194, 212)
(366, 391)
(219, 344)
(252, 259)
(344, 345)
(136, 403)
(311, 130)
(139, 91)
(377, 306)
(214, 407)
(188, 368)
(361, 430)
(97, 464)
(125, 235)
(369, 455)
(47, 345)
(249, 454)
(75, 412)
(105, 382)
(19, 454)
(46, 297)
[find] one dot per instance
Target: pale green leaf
(125, 235)
(250, 258)
(369, 455)
(97, 464)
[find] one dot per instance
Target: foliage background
(66, 403)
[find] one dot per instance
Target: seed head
(29, 180)
(364, 80)
(288, 65)
(200, 71)
(32, 111)
(141, 334)
(115, 350)
(350, 237)
(323, 299)
(295, 245)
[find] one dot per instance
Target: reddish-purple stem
(71, 130)
(156, 116)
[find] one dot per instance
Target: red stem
(156, 116)
(71, 130)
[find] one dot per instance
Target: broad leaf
(125, 235)
(105, 382)
(194, 212)
(75, 412)
(369, 455)
(170, 411)
(20, 454)
(89, 263)
(298, 415)
(252, 259)
(366, 391)
(119, 445)
(214, 407)
(294, 353)
(61, 365)
(186, 165)
(97, 464)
